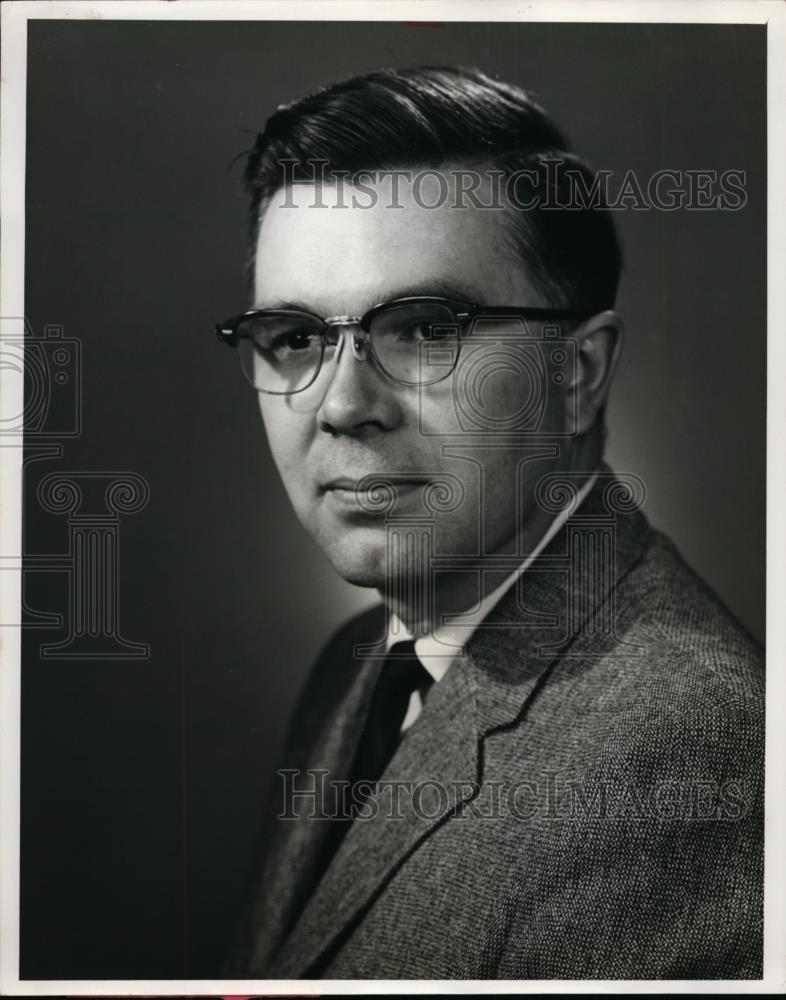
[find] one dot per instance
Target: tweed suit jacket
(581, 796)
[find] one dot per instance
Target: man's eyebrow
(285, 304)
(439, 287)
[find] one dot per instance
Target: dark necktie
(401, 674)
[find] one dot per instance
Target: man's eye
(423, 330)
(298, 340)
(291, 342)
(413, 331)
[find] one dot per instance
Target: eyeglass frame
(463, 313)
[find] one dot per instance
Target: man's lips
(370, 482)
(371, 494)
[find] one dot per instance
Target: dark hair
(434, 117)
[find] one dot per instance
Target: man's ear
(599, 342)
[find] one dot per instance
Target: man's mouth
(372, 493)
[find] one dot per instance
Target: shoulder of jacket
(687, 633)
(336, 664)
(365, 628)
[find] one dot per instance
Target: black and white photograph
(391, 449)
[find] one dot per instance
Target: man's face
(354, 421)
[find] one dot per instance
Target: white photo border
(15, 16)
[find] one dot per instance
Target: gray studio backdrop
(143, 777)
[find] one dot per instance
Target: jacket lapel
(296, 842)
(441, 748)
(568, 591)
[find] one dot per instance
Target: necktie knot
(403, 673)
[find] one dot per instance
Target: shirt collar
(437, 650)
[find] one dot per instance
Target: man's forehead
(426, 285)
(334, 248)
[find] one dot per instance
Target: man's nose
(358, 395)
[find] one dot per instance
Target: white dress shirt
(437, 650)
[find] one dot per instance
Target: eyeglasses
(415, 341)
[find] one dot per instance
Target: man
(541, 755)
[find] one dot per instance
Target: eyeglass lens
(414, 343)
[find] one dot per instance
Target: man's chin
(360, 575)
(362, 562)
(364, 554)
(361, 579)
(361, 558)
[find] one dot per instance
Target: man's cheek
(296, 482)
(490, 398)
(436, 415)
(286, 446)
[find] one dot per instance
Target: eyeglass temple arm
(529, 312)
